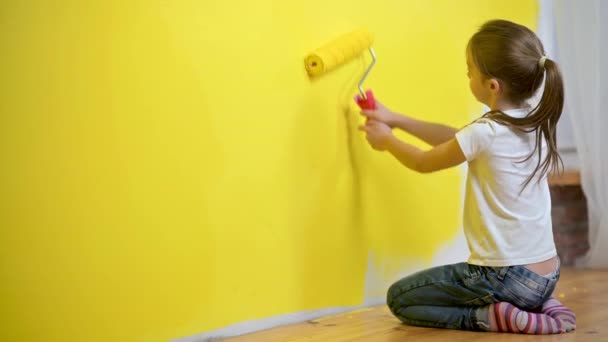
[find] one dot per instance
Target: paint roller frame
(369, 68)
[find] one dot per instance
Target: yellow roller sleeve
(337, 52)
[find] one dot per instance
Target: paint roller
(340, 51)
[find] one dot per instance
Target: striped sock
(506, 317)
(557, 310)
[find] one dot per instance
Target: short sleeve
(476, 138)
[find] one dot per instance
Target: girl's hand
(378, 134)
(382, 114)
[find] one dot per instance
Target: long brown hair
(511, 53)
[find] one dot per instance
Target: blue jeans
(457, 296)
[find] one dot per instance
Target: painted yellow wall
(168, 168)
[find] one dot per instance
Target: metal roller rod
(371, 51)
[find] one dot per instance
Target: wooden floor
(585, 292)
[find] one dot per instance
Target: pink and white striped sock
(554, 308)
(506, 317)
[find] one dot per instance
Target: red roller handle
(368, 102)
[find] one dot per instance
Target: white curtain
(581, 37)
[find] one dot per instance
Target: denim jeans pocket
(528, 289)
(518, 285)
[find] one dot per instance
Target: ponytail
(545, 117)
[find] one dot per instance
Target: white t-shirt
(502, 226)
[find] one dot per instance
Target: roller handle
(368, 102)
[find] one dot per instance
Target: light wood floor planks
(584, 291)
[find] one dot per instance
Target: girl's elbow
(427, 165)
(426, 169)
(423, 167)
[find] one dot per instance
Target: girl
(507, 282)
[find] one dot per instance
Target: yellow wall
(168, 168)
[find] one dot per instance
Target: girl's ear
(494, 85)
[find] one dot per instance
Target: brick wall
(570, 225)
